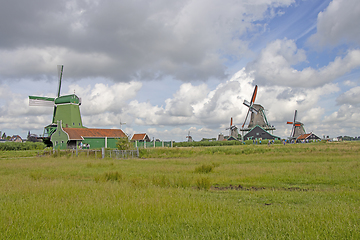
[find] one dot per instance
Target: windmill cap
(68, 99)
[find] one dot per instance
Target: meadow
(296, 191)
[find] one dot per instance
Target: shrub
(123, 143)
(204, 168)
(203, 183)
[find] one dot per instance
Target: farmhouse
(90, 138)
(258, 133)
(140, 137)
(308, 136)
(16, 138)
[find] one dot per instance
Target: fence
(96, 153)
(153, 144)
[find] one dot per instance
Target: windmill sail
(41, 101)
(60, 73)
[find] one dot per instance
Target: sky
(169, 67)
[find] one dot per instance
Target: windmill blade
(246, 118)
(292, 131)
(60, 74)
(295, 116)
(54, 114)
(41, 101)
(246, 103)
(254, 95)
(231, 122)
(289, 122)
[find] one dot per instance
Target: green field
(301, 191)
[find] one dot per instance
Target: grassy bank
(239, 192)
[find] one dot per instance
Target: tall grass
(287, 192)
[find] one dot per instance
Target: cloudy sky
(169, 67)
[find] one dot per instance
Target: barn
(90, 138)
(258, 133)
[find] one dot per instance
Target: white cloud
(274, 66)
(338, 23)
(350, 97)
(124, 40)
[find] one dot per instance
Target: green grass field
(302, 191)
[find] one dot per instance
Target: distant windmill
(233, 130)
(121, 123)
(189, 137)
(66, 109)
(258, 116)
(297, 128)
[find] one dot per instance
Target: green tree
(123, 143)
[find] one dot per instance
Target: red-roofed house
(140, 137)
(89, 137)
(16, 138)
(307, 136)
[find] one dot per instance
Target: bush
(123, 143)
(203, 183)
(204, 168)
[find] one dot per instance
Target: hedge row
(206, 143)
(16, 146)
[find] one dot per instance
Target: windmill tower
(66, 109)
(297, 128)
(258, 116)
(189, 137)
(233, 130)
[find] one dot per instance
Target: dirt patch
(242, 188)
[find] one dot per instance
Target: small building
(140, 137)
(231, 138)
(16, 138)
(258, 133)
(307, 137)
(89, 138)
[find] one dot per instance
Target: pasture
(300, 191)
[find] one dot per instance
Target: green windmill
(66, 110)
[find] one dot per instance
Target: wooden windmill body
(233, 130)
(257, 117)
(297, 128)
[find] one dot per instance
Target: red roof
(138, 136)
(81, 133)
(304, 136)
